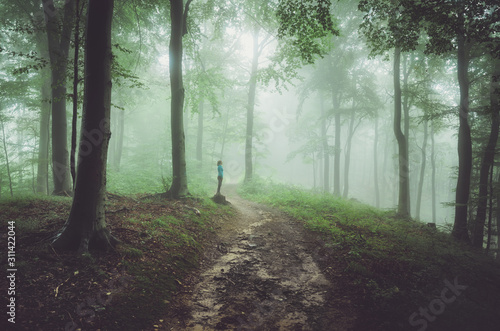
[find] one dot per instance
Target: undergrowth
(394, 266)
(130, 288)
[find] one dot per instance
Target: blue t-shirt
(220, 170)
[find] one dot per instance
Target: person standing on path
(220, 175)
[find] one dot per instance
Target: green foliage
(388, 24)
(306, 24)
(133, 182)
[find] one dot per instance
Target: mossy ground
(126, 289)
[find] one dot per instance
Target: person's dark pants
(219, 178)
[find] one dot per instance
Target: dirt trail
(263, 277)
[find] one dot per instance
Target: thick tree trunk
(403, 168)
(460, 231)
(178, 14)
(59, 42)
(433, 177)
(490, 213)
(498, 223)
(407, 69)
(375, 164)
(72, 161)
(42, 177)
(422, 170)
(488, 158)
(86, 225)
(199, 138)
(326, 149)
(251, 106)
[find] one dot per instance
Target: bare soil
(265, 272)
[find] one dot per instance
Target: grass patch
(393, 266)
(127, 289)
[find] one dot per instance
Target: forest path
(262, 277)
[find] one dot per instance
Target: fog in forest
(256, 165)
(326, 123)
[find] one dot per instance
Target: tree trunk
(86, 224)
(422, 170)
(224, 136)
(314, 170)
(42, 177)
(497, 258)
(6, 158)
(199, 138)
(120, 130)
(178, 14)
(375, 164)
(251, 106)
(488, 159)
(347, 160)
(404, 189)
(407, 69)
(326, 149)
(462, 192)
(72, 162)
(336, 155)
(433, 178)
(59, 42)
(490, 212)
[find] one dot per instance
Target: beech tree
(178, 16)
(387, 26)
(59, 29)
(86, 224)
(460, 27)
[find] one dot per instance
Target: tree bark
(86, 224)
(251, 106)
(72, 161)
(375, 164)
(433, 177)
(59, 41)
(460, 231)
(490, 213)
(488, 158)
(120, 131)
(404, 189)
(42, 177)
(178, 15)
(422, 170)
(407, 69)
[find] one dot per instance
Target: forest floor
(264, 275)
(308, 263)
